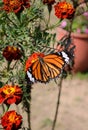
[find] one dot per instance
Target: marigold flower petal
(11, 120)
(15, 5)
(12, 53)
(10, 94)
(64, 10)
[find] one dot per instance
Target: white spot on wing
(30, 76)
(65, 57)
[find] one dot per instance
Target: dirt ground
(73, 111)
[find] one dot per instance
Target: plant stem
(58, 103)
(3, 108)
(8, 65)
(11, 21)
(53, 26)
(28, 109)
(27, 101)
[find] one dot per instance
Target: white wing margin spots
(65, 56)
(30, 76)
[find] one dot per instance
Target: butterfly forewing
(53, 73)
(34, 65)
(45, 69)
(48, 67)
(54, 69)
(55, 62)
(45, 77)
(39, 71)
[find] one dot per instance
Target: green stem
(11, 21)
(28, 104)
(53, 26)
(29, 112)
(8, 65)
(3, 108)
(7, 107)
(49, 7)
(58, 103)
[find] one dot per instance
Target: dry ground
(73, 112)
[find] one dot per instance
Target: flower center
(66, 6)
(12, 117)
(9, 90)
(14, 2)
(14, 49)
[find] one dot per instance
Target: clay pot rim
(74, 34)
(80, 35)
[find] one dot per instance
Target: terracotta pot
(81, 50)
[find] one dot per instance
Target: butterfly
(42, 68)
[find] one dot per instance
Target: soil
(73, 110)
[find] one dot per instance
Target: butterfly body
(46, 67)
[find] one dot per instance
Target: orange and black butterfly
(40, 67)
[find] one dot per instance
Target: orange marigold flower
(50, 2)
(11, 120)
(15, 5)
(32, 59)
(12, 53)
(10, 94)
(64, 10)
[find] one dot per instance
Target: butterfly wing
(55, 64)
(40, 71)
(48, 67)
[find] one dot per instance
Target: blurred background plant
(78, 27)
(79, 22)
